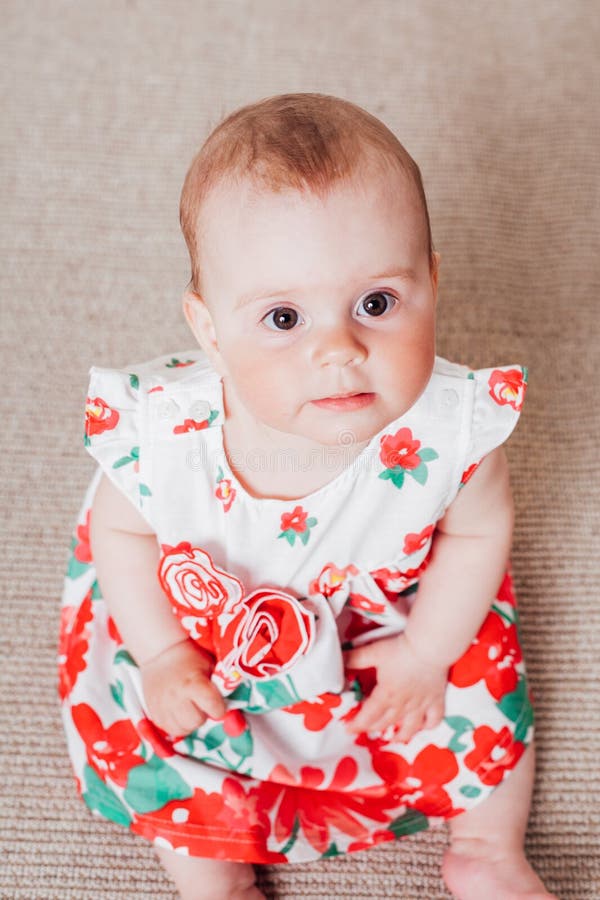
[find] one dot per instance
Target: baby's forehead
(236, 192)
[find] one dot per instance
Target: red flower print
(234, 723)
(414, 542)
(110, 751)
(243, 810)
(192, 582)
(232, 818)
(366, 604)
(99, 416)
(296, 520)
(330, 579)
(317, 713)
(81, 550)
(296, 524)
(190, 425)
(506, 593)
(156, 737)
(392, 581)
(113, 631)
(73, 644)
(399, 449)
(378, 837)
(317, 807)
(225, 492)
(469, 472)
(271, 632)
(492, 656)
(495, 753)
(508, 387)
(419, 783)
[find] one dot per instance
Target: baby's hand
(178, 691)
(409, 692)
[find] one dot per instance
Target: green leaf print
(395, 475)
(99, 798)
(75, 568)
(134, 381)
(524, 723)
(512, 704)
(419, 474)
(117, 693)
(460, 725)
(145, 490)
(275, 693)
(242, 693)
(214, 738)
(427, 454)
(123, 656)
(243, 744)
(469, 790)
(96, 592)
(134, 455)
(154, 784)
(409, 823)
(292, 839)
(331, 851)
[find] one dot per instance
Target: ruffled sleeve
(114, 427)
(497, 400)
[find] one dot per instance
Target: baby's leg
(486, 856)
(197, 878)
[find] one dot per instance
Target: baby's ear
(200, 321)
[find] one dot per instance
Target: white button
(200, 410)
(449, 398)
(167, 409)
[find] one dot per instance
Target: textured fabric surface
(103, 106)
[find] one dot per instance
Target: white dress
(275, 589)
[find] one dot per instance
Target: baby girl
(289, 630)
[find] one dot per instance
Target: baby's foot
(475, 870)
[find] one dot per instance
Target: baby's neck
(269, 463)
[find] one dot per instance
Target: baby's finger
(412, 722)
(187, 718)
(434, 715)
(373, 710)
(206, 697)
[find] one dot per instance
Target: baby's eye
(375, 304)
(281, 319)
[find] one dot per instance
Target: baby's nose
(339, 347)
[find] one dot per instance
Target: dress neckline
(366, 459)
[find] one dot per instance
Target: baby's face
(311, 298)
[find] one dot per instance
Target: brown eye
(281, 319)
(376, 304)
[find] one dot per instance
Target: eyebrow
(407, 274)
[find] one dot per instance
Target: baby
(288, 628)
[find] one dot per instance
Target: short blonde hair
(291, 141)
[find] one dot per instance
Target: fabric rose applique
(254, 637)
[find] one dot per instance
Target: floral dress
(276, 589)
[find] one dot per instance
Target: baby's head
(313, 270)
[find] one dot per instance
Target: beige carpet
(104, 103)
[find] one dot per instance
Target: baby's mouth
(348, 401)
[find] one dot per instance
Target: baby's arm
(469, 555)
(175, 671)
